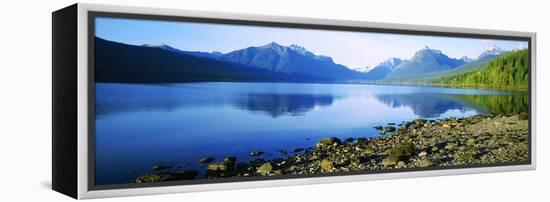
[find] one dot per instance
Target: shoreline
(478, 139)
(346, 82)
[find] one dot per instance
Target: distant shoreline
(337, 82)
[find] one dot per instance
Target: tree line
(509, 71)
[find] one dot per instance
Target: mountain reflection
(433, 105)
(283, 104)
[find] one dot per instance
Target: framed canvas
(151, 101)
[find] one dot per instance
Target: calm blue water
(138, 126)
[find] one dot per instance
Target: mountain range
(428, 63)
(273, 57)
(117, 62)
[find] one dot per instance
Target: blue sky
(353, 49)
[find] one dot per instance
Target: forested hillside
(509, 71)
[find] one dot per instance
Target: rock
(264, 169)
(230, 161)
(298, 150)
(419, 121)
(390, 129)
(401, 151)
(349, 140)
(379, 127)
(389, 162)
(401, 164)
(278, 172)
(161, 167)
(328, 141)
(185, 175)
(422, 154)
(391, 124)
(257, 161)
(450, 146)
(369, 151)
(206, 160)
(256, 153)
(466, 157)
(152, 178)
(446, 125)
(217, 167)
(523, 116)
(326, 165)
(228, 164)
(425, 163)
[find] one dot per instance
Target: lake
(142, 125)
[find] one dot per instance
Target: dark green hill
(508, 71)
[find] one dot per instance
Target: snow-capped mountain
(382, 70)
(293, 59)
(365, 69)
(491, 52)
(467, 59)
(424, 61)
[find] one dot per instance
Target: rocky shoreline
(479, 139)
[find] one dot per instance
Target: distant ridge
(117, 62)
(295, 63)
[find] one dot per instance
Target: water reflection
(277, 105)
(423, 105)
(283, 100)
(434, 105)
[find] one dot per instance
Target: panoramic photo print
(191, 101)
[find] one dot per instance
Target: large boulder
(226, 168)
(402, 151)
(390, 161)
(328, 141)
(265, 168)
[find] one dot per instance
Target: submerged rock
(349, 140)
(160, 177)
(256, 153)
(206, 160)
(161, 167)
(390, 129)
